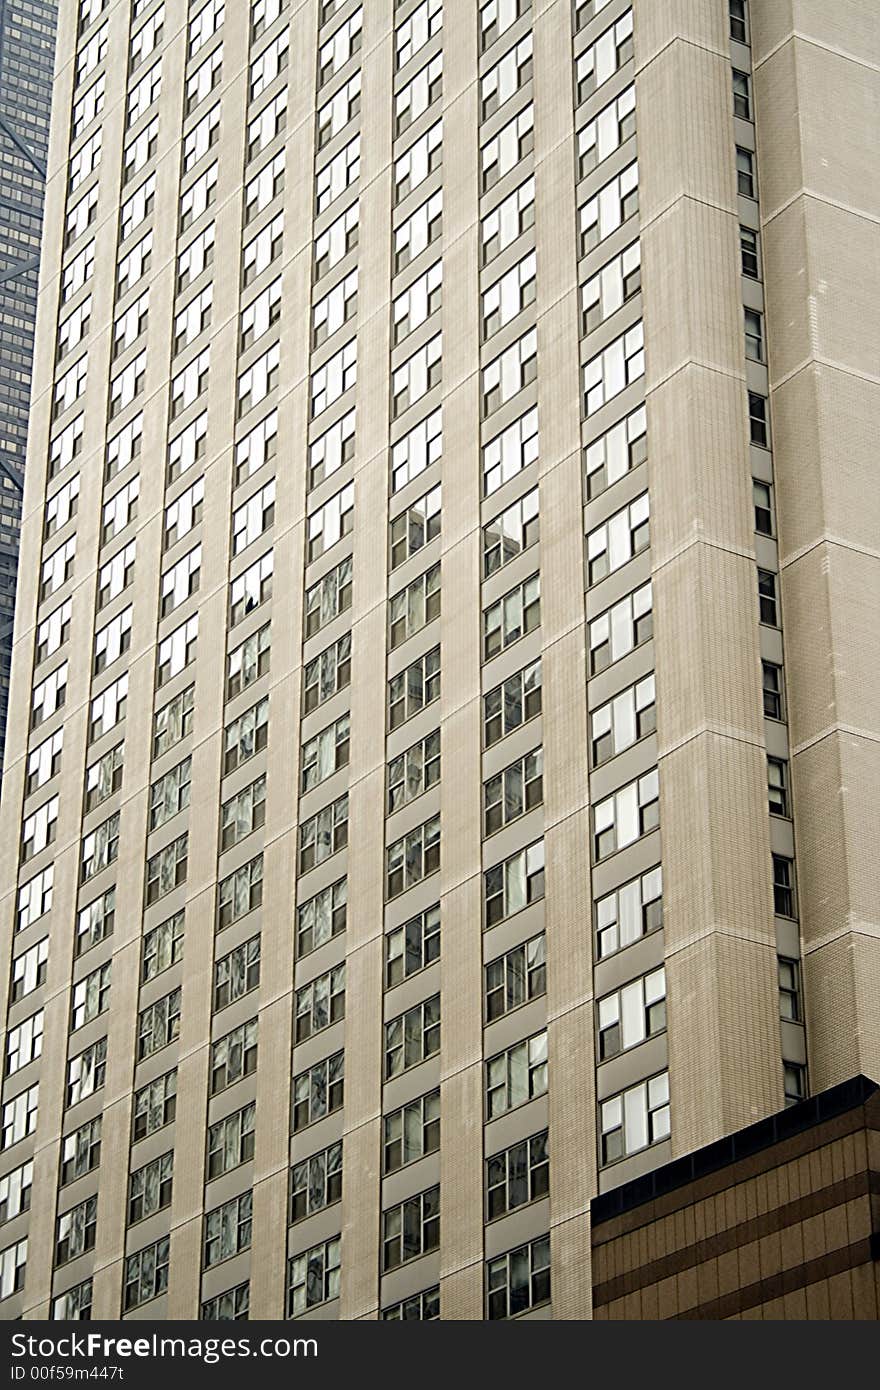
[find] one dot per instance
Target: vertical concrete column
(461, 1088)
(817, 88)
(567, 912)
(724, 1049)
(366, 851)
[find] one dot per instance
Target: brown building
(780, 1220)
(442, 758)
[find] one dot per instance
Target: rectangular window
(773, 690)
(149, 1188)
(322, 917)
(243, 813)
(629, 913)
(325, 754)
(323, 834)
(767, 598)
(516, 1076)
(249, 661)
(81, 1151)
(413, 772)
(155, 1105)
(514, 884)
(318, 1091)
(240, 892)
(146, 1274)
(236, 973)
(245, 736)
(518, 1280)
(411, 1132)
(313, 1277)
(418, 232)
(327, 674)
(414, 688)
(419, 1307)
(758, 427)
(228, 1229)
(158, 1025)
(624, 720)
(417, 450)
(91, 997)
(746, 183)
(167, 869)
(316, 1182)
(332, 449)
(233, 1056)
(413, 857)
(330, 522)
(74, 1305)
(16, 1188)
(412, 1037)
(76, 1231)
(610, 288)
(795, 1083)
(634, 1119)
(748, 244)
(623, 818)
(622, 628)
(505, 150)
(513, 792)
(411, 1229)
(606, 132)
(514, 702)
(20, 1116)
(320, 1003)
(790, 990)
(513, 616)
(173, 722)
(231, 1141)
(608, 209)
(742, 95)
(754, 323)
(501, 227)
(86, 1072)
(738, 21)
(614, 369)
(762, 496)
(415, 528)
(777, 785)
(170, 794)
(510, 533)
(516, 978)
(631, 1014)
(162, 947)
(509, 373)
(413, 946)
(517, 1176)
(329, 597)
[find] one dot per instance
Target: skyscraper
(443, 734)
(27, 48)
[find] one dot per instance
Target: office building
(444, 717)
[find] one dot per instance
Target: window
(115, 577)
(510, 373)
(421, 25)
(155, 1105)
(323, 834)
(15, 1191)
(413, 857)
(754, 335)
(236, 973)
(419, 374)
(81, 1151)
(263, 249)
(608, 209)
(320, 1003)
(626, 816)
(773, 696)
(316, 1183)
(519, 1280)
(61, 506)
(611, 371)
(414, 772)
(418, 232)
(149, 1188)
(612, 287)
(777, 785)
(322, 917)
(414, 688)
(336, 176)
(264, 69)
(249, 661)
(177, 650)
(137, 208)
(412, 946)
(100, 848)
(635, 1119)
(74, 1305)
(618, 540)
(413, 100)
(134, 266)
(158, 1024)
(514, 702)
(95, 922)
(329, 597)
(246, 736)
(417, 303)
(204, 25)
(76, 1231)
(325, 754)
(505, 79)
(113, 640)
(67, 445)
(336, 52)
(795, 1083)
(767, 598)
(163, 947)
(91, 997)
(267, 125)
(603, 58)
(333, 311)
(516, 978)
(189, 384)
(263, 188)
(251, 588)
(167, 869)
(44, 762)
(417, 450)
(419, 1307)
(24, 1043)
(514, 884)
(518, 1175)
(318, 1091)
(340, 238)
(231, 1141)
(758, 430)
(142, 148)
(187, 448)
(738, 25)
(313, 1277)
(414, 607)
(146, 1274)
(82, 215)
(790, 990)
(260, 378)
(170, 794)
(78, 272)
(783, 887)
(623, 721)
(54, 631)
(613, 125)
(629, 913)
(746, 184)
(411, 1132)
(497, 16)
(86, 1072)
(49, 696)
(243, 813)
(505, 150)
(29, 970)
(194, 319)
(173, 722)
(513, 792)
(631, 1014)
(742, 95)
(332, 450)
(57, 568)
(512, 617)
(35, 898)
(412, 1037)
(748, 242)
(501, 227)
(516, 1076)
(623, 627)
(20, 1116)
(194, 203)
(240, 893)
(13, 1261)
(327, 674)
(233, 1056)
(761, 493)
(335, 114)
(411, 1229)
(329, 523)
(510, 533)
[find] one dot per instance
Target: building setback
(27, 47)
(444, 722)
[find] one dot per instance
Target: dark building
(27, 49)
(780, 1220)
